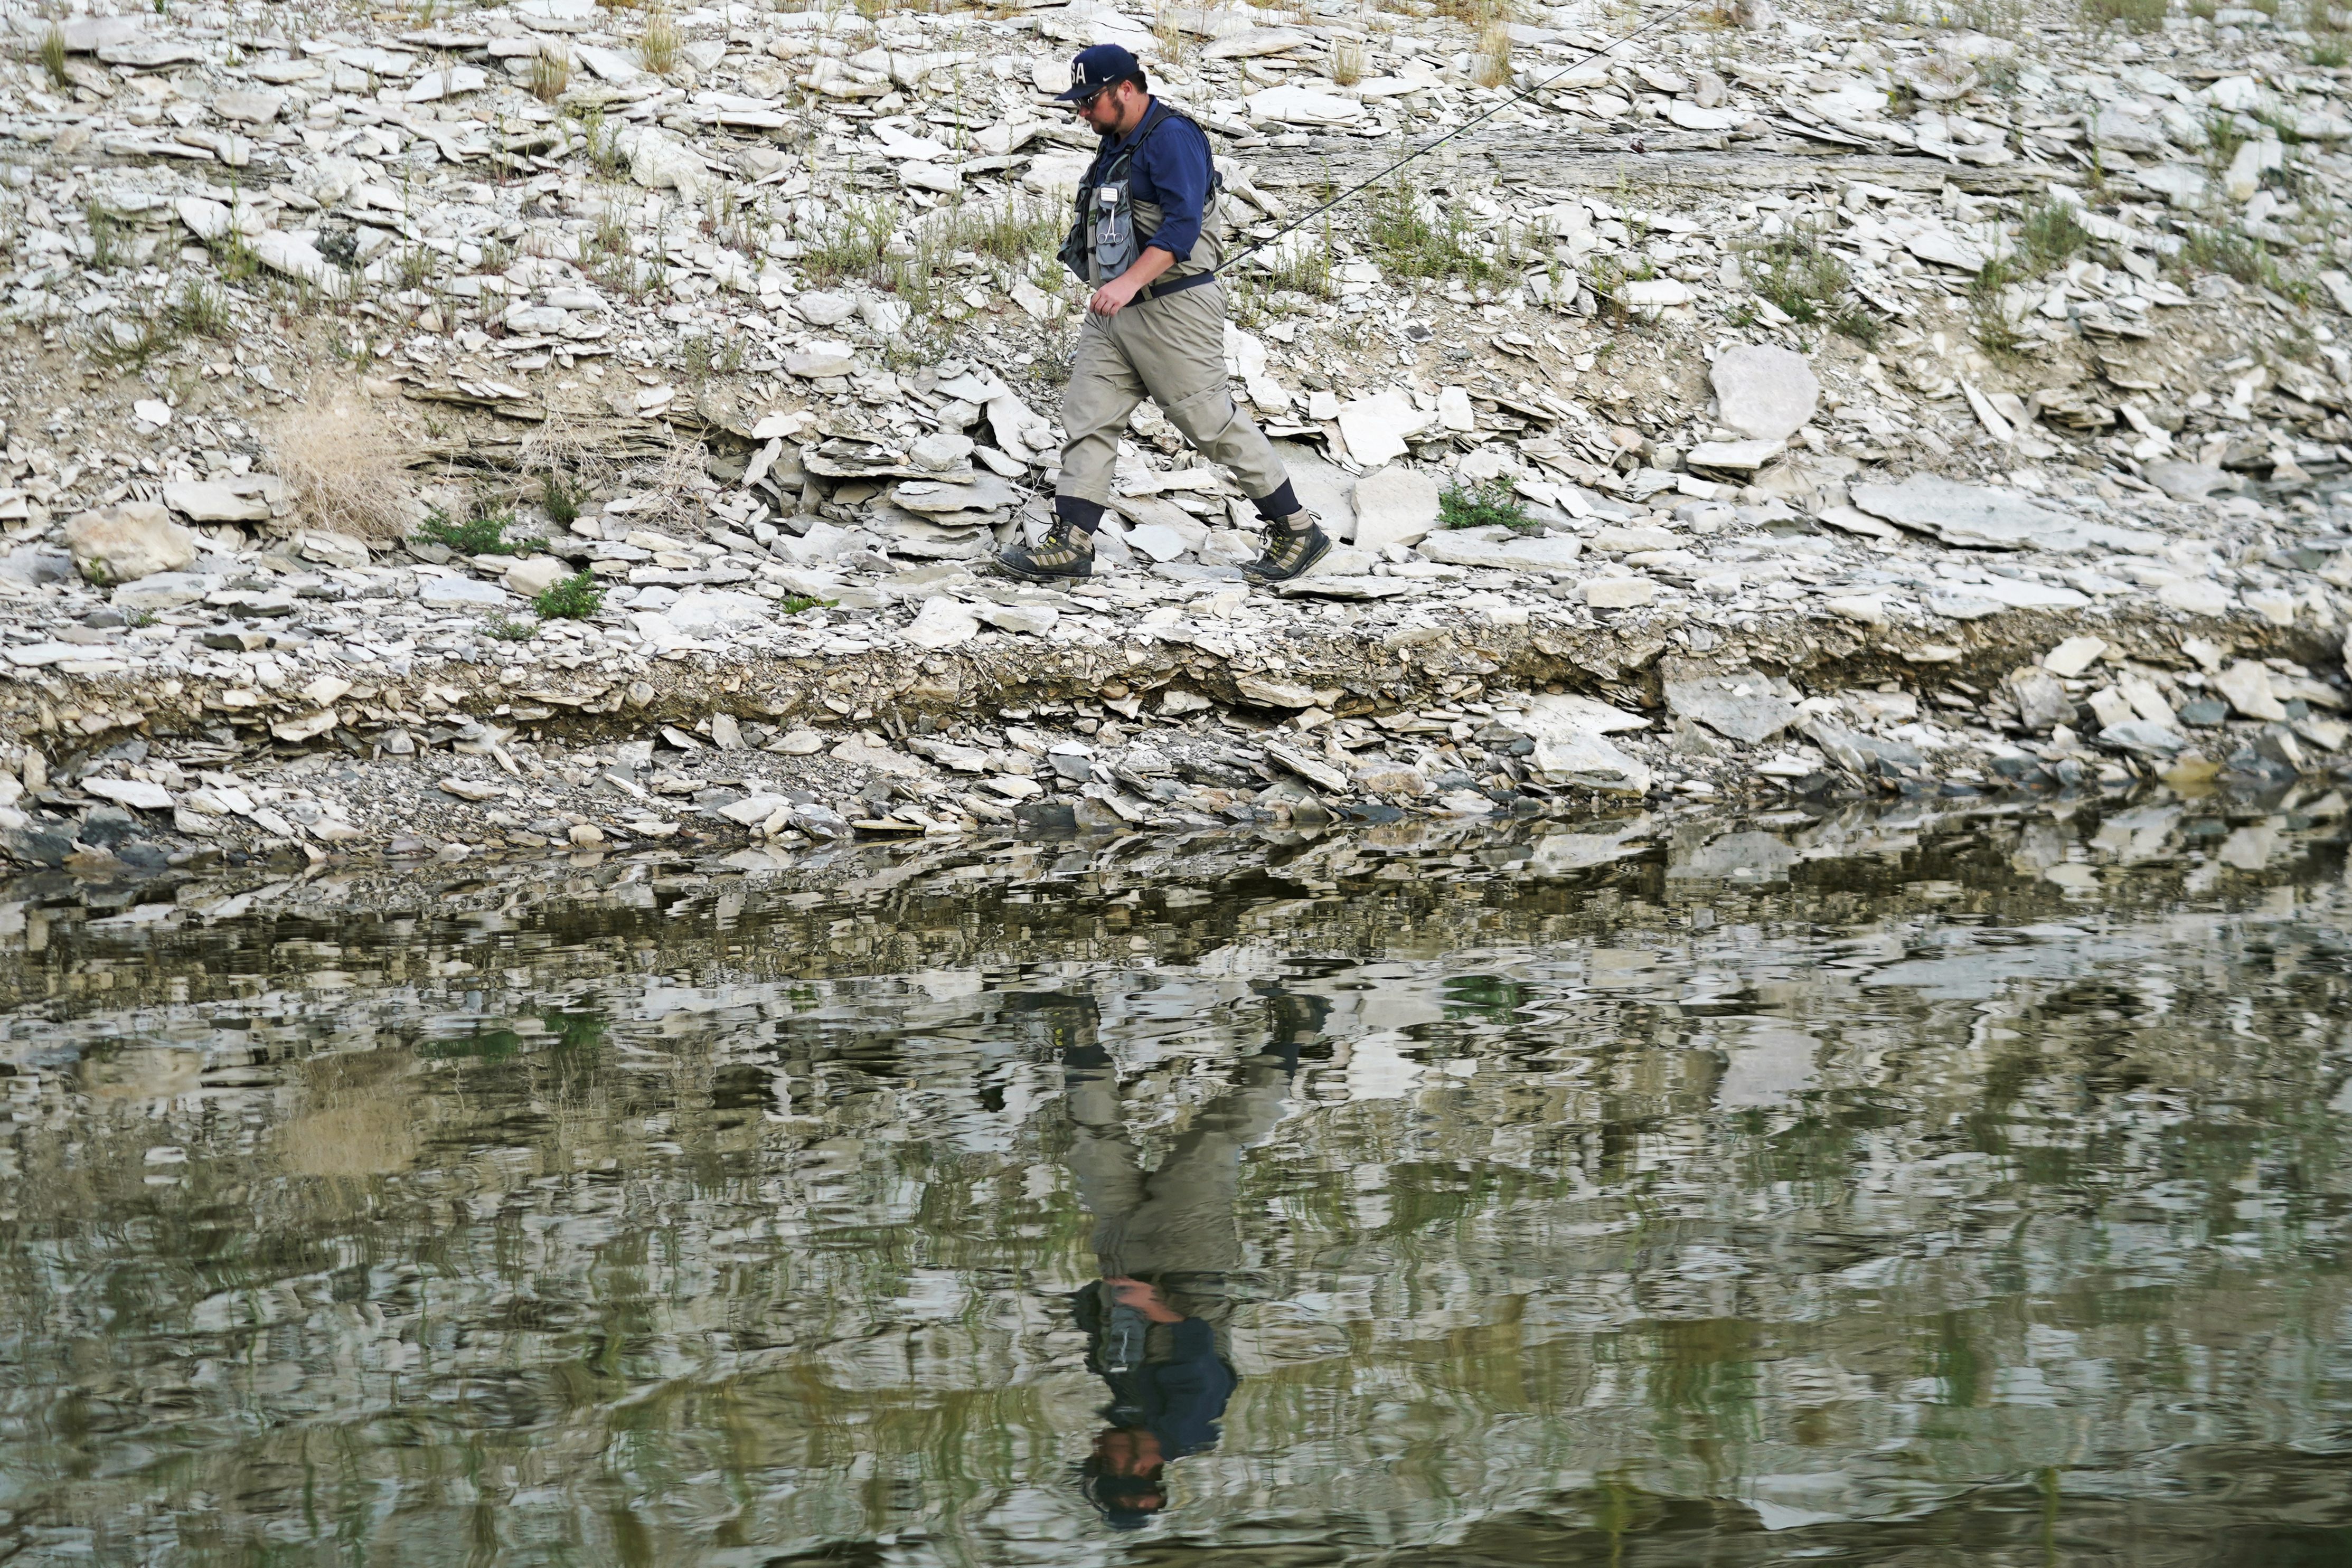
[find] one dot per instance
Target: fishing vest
(1112, 225)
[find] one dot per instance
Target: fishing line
(1511, 102)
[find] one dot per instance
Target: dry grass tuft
(1491, 66)
(53, 56)
(343, 466)
(1346, 61)
(551, 74)
(657, 46)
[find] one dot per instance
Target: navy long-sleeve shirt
(1172, 168)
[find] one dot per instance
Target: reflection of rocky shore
(733, 1217)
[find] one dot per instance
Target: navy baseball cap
(1096, 68)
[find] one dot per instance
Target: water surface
(1886, 1189)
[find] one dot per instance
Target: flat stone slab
(1975, 517)
(1973, 601)
(1739, 704)
(1499, 548)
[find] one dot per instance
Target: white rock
(1619, 592)
(2195, 596)
(660, 160)
(2247, 685)
(163, 590)
(819, 308)
(1454, 410)
(1764, 391)
(1031, 620)
(461, 594)
(823, 357)
(1498, 548)
(1295, 103)
(942, 623)
(218, 500)
(152, 411)
(126, 542)
(136, 793)
(1375, 427)
(2072, 656)
(534, 575)
(1738, 456)
(703, 612)
(1585, 761)
(1394, 505)
(1653, 293)
(249, 108)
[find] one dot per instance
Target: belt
(1144, 295)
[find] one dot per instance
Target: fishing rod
(1515, 99)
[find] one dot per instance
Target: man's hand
(1115, 295)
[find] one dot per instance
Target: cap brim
(1072, 94)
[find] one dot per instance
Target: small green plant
(2132, 16)
(507, 630)
(2330, 57)
(2247, 260)
(1487, 505)
(1804, 279)
(695, 357)
(484, 533)
(562, 497)
(1988, 320)
(576, 598)
(1411, 245)
(801, 602)
(53, 56)
(202, 312)
(107, 233)
(157, 334)
(2050, 236)
(854, 245)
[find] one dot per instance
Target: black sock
(1283, 502)
(1078, 512)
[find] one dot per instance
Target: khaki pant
(1172, 350)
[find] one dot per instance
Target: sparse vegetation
(1490, 65)
(2247, 260)
(2049, 236)
(2133, 15)
(657, 46)
(1805, 281)
(1411, 244)
(576, 598)
(507, 629)
(562, 497)
(1346, 61)
(856, 244)
(344, 469)
(53, 56)
(482, 533)
(1490, 505)
(202, 312)
(551, 74)
(800, 603)
(106, 237)
(1989, 321)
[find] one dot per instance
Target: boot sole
(1300, 571)
(1026, 575)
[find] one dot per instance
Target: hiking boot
(1065, 555)
(1292, 545)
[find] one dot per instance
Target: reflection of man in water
(1169, 1242)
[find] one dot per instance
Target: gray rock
(1030, 620)
(1740, 705)
(2041, 700)
(712, 611)
(2142, 738)
(1974, 516)
(2188, 481)
(1499, 548)
(1585, 761)
(1859, 753)
(821, 309)
(219, 500)
(1323, 487)
(1764, 857)
(126, 542)
(1765, 392)
(164, 590)
(36, 565)
(1974, 601)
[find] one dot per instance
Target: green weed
(509, 631)
(2132, 16)
(1490, 505)
(801, 602)
(53, 56)
(576, 598)
(855, 244)
(562, 498)
(1807, 282)
(484, 533)
(203, 312)
(2050, 236)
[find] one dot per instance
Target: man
(1146, 241)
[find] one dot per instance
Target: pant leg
(1177, 345)
(1190, 1221)
(1103, 390)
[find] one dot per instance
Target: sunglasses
(1079, 106)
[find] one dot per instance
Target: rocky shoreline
(1834, 412)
